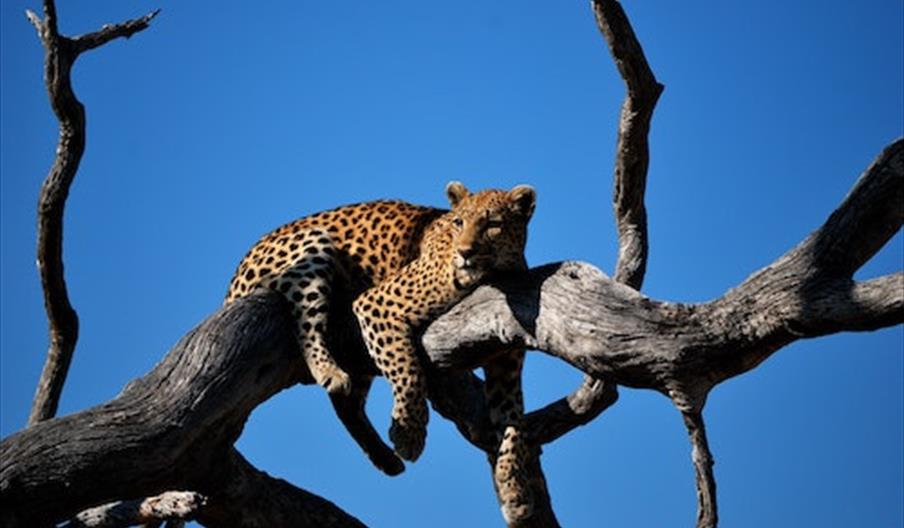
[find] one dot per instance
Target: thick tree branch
(60, 54)
(172, 429)
(612, 332)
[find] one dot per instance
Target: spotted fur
(405, 264)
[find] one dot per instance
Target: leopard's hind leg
(307, 284)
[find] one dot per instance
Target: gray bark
(173, 506)
(610, 331)
(172, 429)
(617, 335)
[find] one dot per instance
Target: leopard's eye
(457, 222)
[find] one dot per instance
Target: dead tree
(174, 428)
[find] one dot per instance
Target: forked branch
(614, 333)
(60, 52)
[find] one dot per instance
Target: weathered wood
(169, 506)
(608, 330)
(707, 511)
(172, 429)
(613, 333)
(632, 153)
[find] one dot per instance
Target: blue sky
(219, 123)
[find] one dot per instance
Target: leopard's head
(489, 230)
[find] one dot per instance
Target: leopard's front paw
(408, 439)
(335, 380)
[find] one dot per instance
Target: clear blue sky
(225, 120)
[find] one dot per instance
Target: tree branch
(854, 306)
(707, 511)
(110, 32)
(580, 407)
(867, 218)
(172, 429)
(60, 53)
(632, 156)
(174, 505)
(574, 312)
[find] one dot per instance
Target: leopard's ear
(524, 198)
(456, 191)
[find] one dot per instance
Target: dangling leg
(506, 407)
(350, 410)
(389, 341)
(308, 284)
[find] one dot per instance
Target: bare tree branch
(707, 511)
(580, 407)
(172, 429)
(612, 332)
(60, 53)
(110, 32)
(854, 305)
(867, 218)
(632, 156)
(173, 505)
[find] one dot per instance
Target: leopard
(402, 266)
